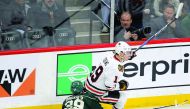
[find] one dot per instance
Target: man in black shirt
(126, 32)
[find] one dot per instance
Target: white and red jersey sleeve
(105, 77)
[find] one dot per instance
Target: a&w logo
(10, 76)
(17, 82)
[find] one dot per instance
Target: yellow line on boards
(155, 101)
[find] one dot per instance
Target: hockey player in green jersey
(79, 99)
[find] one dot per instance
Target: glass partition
(146, 17)
(47, 23)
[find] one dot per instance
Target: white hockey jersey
(106, 76)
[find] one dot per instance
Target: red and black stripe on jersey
(108, 99)
(96, 91)
(112, 96)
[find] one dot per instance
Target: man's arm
(180, 33)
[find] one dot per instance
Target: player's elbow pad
(123, 85)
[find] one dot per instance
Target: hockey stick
(172, 105)
(179, 10)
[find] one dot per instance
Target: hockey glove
(123, 85)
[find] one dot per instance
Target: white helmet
(122, 47)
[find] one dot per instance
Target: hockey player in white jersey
(107, 82)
